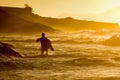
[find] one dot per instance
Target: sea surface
(83, 55)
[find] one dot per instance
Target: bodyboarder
(45, 44)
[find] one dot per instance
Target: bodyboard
(49, 45)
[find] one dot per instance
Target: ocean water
(83, 55)
(85, 42)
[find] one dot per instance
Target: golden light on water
(84, 50)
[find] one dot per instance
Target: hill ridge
(33, 23)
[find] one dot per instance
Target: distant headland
(23, 20)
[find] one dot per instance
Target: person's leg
(42, 52)
(46, 52)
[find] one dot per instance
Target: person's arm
(38, 40)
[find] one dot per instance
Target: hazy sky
(55, 8)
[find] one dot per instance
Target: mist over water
(85, 55)
(72, 43)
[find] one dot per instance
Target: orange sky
(57, 8)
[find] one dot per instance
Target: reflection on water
(78, 56)
(77, 43)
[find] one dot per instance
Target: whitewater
(82, 55)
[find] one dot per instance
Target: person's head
(43, 34)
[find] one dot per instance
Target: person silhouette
(45, 44)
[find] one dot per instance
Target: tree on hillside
(28, 8)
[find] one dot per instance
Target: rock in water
(7, 51)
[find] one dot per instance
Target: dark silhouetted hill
(23, 20)
(10, 23)
(67, 24)
(71, 24)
